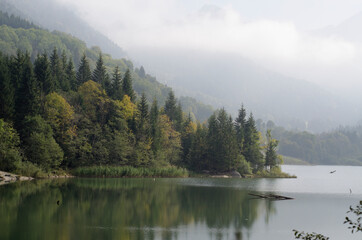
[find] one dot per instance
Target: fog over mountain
(296, 63)
(54, 16)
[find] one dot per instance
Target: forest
(17, 33)
(54, 116)
(341, 146)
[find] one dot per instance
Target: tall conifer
(252, 152)
(100, 74)
(7, 91)
(116, 92)
(28, 101)
(43, 74)
(127, 87)
(83, 73)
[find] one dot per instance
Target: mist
(300, 41)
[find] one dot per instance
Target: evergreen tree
(240, 125)
(70, 75)
(65, 83)
(127, 87)
(143, 123)
(7, 91)
(222, 146)
(143, 108)
(56, 67)
(271, 155)
(43, 75)
(142, 72)
(100, 74)
(252, 152)
(28, 100)
(83, 73)
(116, 92)
(171, 106)
(16, 67)
(187, 138)
(178, 118)
(155, 130)
(199, 150)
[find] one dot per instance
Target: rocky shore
(6, 178)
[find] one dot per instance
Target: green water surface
(188, 208)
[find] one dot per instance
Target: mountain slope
(53, 16)
(38, 41)
(229, 80)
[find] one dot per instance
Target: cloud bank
(176, 24)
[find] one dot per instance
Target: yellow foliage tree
(95, 101)
(60, 115)
(125, 108)
(170, 140)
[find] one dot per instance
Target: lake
(190, 208)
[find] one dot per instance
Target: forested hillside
(338, 147)
(53, 16)
(53, 116)
(58, 115)
(37, 41)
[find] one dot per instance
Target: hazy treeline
(55, 116)
(340, 146)
(15, 21)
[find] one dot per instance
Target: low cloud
(175, 24)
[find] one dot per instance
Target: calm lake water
(189, 208)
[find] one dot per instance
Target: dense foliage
(37, 41)
(57, 117)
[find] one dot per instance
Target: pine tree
(7, 91)
(178, 118)
(155, 130)
(199, 150)
(222, 146)
(187, 138)
(15, 66)
(56, 69)
(143, 108)
(252, 152)
(171, 106)
(83, 73)
(240, 125)
(43, 75)
(142, 72)
(28, 100)
(127, 87)
(271, 155)
(70, 75)
(100, 74)
(65, 83)
(116, 92)
(142, 132)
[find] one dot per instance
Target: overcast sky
(278, 34)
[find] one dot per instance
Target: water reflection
(127, 209)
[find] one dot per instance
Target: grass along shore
(128, 171)
(160, 172)
(171, 171)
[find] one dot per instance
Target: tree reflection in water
(125, 209)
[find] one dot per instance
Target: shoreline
(6, 178)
